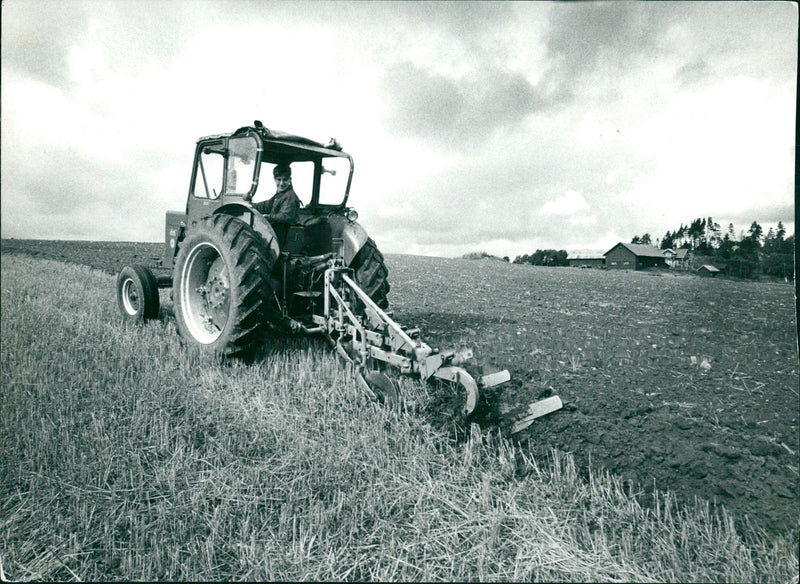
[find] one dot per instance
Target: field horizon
(236, 430)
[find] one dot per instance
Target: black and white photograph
(317, 290)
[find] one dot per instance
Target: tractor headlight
(351, 214)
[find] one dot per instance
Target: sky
(502, 127)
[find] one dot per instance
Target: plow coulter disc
(383, 388)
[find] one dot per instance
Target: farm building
(678, 258)
(586, 260)
(707, 271)
(633, 256)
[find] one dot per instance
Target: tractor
(235, 276)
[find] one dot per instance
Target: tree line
(544, 257)
(746, 256)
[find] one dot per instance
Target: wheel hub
(207, 299)
(217, 292)
(130, 297)
(215, 297)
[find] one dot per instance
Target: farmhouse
(707, 271)
(678, 258)
(586, 260)
(633, 256)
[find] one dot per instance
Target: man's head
(283, 177)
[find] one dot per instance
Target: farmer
(284, 206)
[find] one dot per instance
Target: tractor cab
(231, 171)
(237, 167)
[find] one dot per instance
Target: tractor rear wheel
(371, 273)
(137, 294)
(222, 291)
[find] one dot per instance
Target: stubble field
(669, 381)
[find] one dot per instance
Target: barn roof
(585, 254)
(637, 249)
(708, 267)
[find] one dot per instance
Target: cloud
(37, 37)
(584, 220)
(734, 38)
(69, 172)
(470, 20)
(463, 71)
(692, 72)
(525, 125)
(585, 37)
(434, 107)
(74, 198)
(569, 203)
(422, 104)
(69, 194)
(698, 42)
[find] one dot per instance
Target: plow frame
(374, 338)
(377, 338)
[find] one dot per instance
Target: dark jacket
(282, 208)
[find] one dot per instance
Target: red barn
(633, 256)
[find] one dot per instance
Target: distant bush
(479, 255)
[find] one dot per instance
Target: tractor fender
(352, 233)
(254, 219)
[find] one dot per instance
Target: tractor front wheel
(137, 294)
(223, 296)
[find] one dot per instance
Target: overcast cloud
(480, 126)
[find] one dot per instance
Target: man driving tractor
(284, 206)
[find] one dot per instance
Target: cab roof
(284, 147)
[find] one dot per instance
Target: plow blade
(537, 410)
(470, 384)
(493, 379)
(465, 380)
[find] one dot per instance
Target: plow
(239, 269)
(375, 345)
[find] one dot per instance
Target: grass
(126, 456)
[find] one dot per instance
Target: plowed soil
(669, 380)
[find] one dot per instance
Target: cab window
(242, 158)
(333, 183)
(208, 175)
